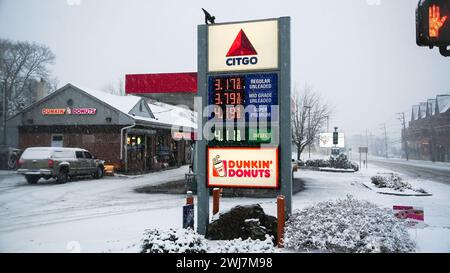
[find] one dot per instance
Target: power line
(385, 138)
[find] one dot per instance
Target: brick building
(127, 131)
(428, 133)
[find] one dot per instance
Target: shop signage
(326, 140)
(243, 46)
(82, 111)
(182, 136)
(242, 167)
(414, 216)
(241, 78)
(53, 111)
(69, 111)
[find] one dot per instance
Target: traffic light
(335, 138)
(433, 24)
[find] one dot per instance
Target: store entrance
(136, 153)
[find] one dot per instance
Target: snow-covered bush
(318, 163)
(246, 246)
(173, 241)
(393, 181)
(347, 225)
(341, 162)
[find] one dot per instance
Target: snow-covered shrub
(341, 162)
(246, 246)
(347, 225)
(395, 182)
(319, 163)
(173, 241)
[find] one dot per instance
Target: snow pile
(173, 241)
(394, 182)
(347, 225)
(246, 246)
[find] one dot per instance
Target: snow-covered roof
(165, 114)
(415, 112)
(431, 109)
(422, 110)
(443, 103)
(122, 103)
(175, 115)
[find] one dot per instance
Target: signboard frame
(284, 99)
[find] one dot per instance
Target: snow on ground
(415, 163)
(95, 215)
(108, 216)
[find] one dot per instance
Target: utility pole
(367, 138)
(401, 117)
(385, 139)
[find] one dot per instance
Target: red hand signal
(435, 21)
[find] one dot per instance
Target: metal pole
(281, 216)
(285, 111)
(216, 200)
(202, 190)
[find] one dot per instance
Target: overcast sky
(359, 54)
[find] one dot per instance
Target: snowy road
(53, 217)
(434, 171)
(108, 216)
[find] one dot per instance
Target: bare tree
(115, 88)
(309, 115)
(20, 63)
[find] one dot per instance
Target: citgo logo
(242, 168)
(241, 51)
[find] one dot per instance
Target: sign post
(243, 81)
(363, 150)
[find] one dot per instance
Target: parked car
(59, 163)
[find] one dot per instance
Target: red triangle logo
(241, 46)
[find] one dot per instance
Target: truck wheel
(99, 173)
(12, 162)
(63, 176)
(32, 179)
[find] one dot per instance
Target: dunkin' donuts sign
(242, 167)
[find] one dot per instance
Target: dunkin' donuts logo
(69, 111)
(242, 168)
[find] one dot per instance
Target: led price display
(230, 95)
(227, 91)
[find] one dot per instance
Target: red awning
(161, 83)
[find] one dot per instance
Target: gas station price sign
(227, 91)
(231, 95)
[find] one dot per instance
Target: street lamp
(309, 130)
